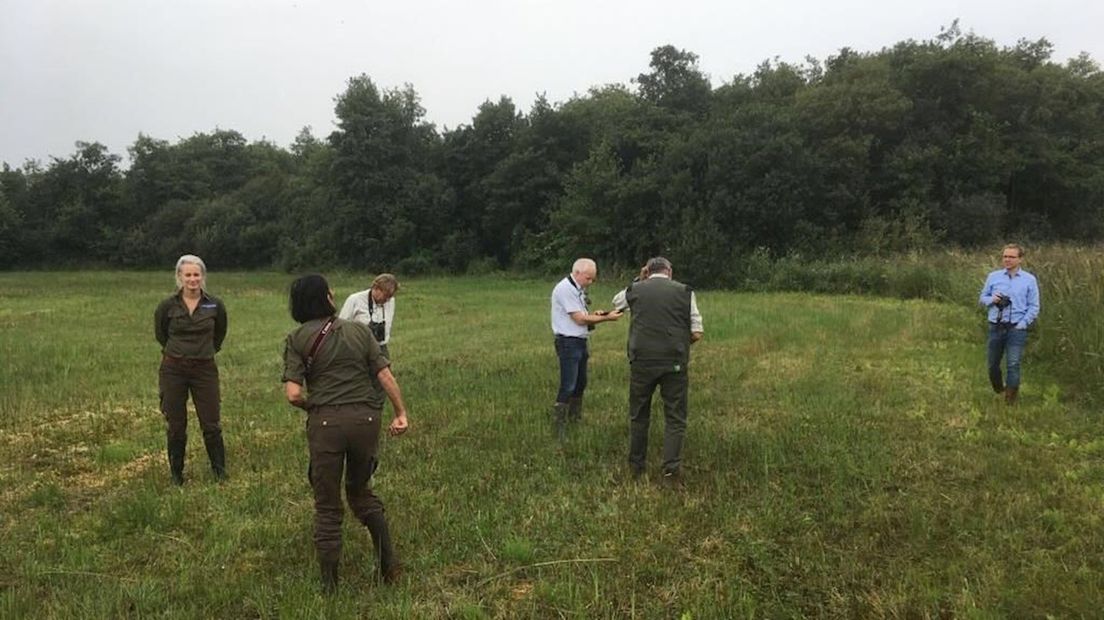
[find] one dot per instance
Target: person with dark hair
(572, 322)
(665, 322)
(1011, 296)
(375, 308)
(340, 364)
(191, 325)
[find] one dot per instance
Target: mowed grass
(845, 458)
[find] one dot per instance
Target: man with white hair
(572, 322)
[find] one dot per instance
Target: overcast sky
(105, 70)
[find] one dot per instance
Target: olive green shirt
(191, 335)
(344, 368)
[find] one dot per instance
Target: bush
(420, 264)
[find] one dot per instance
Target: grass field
(845, 458)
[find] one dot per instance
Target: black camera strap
(582, 293)
(372, 309)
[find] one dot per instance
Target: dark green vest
(660, 330)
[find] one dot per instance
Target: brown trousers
(178, 377)
(345, 437)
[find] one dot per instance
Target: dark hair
(309, 299)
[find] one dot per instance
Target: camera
(1003, 302)
(378, 329)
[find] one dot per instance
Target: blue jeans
(573, 367)
(1005, 340)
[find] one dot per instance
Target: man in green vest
(665, 322)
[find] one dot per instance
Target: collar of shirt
(203, 296)
(578, 289)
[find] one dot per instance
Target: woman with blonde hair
(191, 325)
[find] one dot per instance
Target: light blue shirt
(1021, 287)
(568, 297)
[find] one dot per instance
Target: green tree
(675, 82)
(10, 230)
(380, 175)
(75, 208)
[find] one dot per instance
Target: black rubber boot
(575, 409)
(559, 421)
(327, 564)
(389, 566)
(176, 449)
(216, 452)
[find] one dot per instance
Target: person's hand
(399, 425)
(996, 298)
(613, 315)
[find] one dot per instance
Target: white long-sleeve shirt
(359, 307)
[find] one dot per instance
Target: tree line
(949, 141)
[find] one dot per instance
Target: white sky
(105, 70)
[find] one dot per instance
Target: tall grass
(1071, 334)
(845, 458)
(1068, 336)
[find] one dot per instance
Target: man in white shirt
(375, 308)
(572, 322)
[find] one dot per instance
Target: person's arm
(294, 393)
(696, 329)
(987, 298)
(399, 424)
(221, 325)
(388, 318)
(294, 371)
(161, 324)
(593, 318)
(1033, 306)
(619, 302)
(576, 310)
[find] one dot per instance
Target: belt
(559, 336)
(186, 361)
(343, 407)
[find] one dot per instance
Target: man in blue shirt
(571, 325)
(1012, 298)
